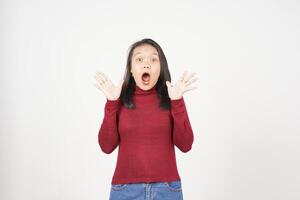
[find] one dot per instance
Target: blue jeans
(147, 191)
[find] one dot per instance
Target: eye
(154, 59)
(138, 59)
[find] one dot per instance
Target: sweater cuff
(178, 105)
(174, 101)
(112, 103)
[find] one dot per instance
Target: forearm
(183, 136)
(108, 136)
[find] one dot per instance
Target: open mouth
(146, 78)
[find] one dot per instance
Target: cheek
(135, 70)
(155, 76)
(156, 71)
(137, 66)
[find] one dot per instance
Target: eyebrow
(140, 52)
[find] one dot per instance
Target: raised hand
(176, 91)
(105, 85)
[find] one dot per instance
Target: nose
(147, 64)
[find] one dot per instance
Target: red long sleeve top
(146, 137)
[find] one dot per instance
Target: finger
(104, 76)
(107, 81)
(183, 75)
(99, 78)
(188, 77)
(101, 75)
(191, 81)
(189, 88)
(97, 86)
(168, 83)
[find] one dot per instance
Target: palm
(176, 91)
(111, 91)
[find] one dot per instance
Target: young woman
(145, 115)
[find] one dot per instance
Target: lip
(149, 77)
(146, 73)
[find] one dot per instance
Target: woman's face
(145, 66)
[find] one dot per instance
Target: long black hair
(129, 84)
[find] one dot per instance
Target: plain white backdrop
(244, 113)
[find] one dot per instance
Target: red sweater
(146, 137)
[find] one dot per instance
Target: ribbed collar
(141, 91)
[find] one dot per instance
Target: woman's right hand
(105, 85)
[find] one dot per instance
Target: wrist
(176, 98)
(112, 99)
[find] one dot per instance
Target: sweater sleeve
(183, 136)
(108, 136)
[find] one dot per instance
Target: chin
(145, 87)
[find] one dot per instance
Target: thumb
(168, 83)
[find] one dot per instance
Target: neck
(138, 90)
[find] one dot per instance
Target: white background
(245, 112)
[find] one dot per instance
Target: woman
(145, 115)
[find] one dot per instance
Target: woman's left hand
(176, 91)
